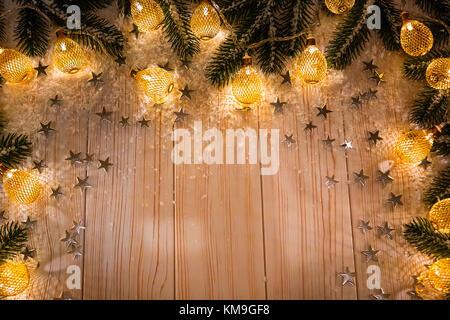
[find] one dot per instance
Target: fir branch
(13, 238)
(390, 24)
(441, 144)
(349, 38)
(32, 32)
(237, 11)
(97, 34)
(2, 120)
(2, 22)
(85, 5)
(430, 109)
(439, 9)
(421, 234)
(415, 68)
(124, 7)
(178, 32)
(440, 32)
(439, 188)
(14, 149)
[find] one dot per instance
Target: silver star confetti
(77, 226)
(369, 66)
(56, 192)
(309, 126)
(144, 122)
(28, 253)
(105, 164)
(41, 69)
(370, 254)
(395, 200)
(29, 224)
(347, 277)
(89, 158)
(360, 177)
(186, 92)
(75, 251)
(104, 115)
(330, 182)
(347, 145)
(39, 165)
(356, 102)
(289, 140)
(380, 295)
(278, 106)
(364, 226)
(286, 78)
(378, 77)
(46, 128)
(70, 239)
(328, 142)
(124, 121)
(374, 137)
(323, 111)
(56, 101)
(83, 184)
(74, 158)
(384, 178)
(96, 78)
(385, 231)
(180, 115)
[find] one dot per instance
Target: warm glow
(68, 56)
(146, 14)
(155, 82)
(312, 65)
(439, 216)
(21, 187)
(416, 39)
(14, 278)
(339, 6)
(439, 275)
(205, 22)
(14, 66)
(438, 74)
(247, 86)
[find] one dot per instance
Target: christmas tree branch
(85, 5)
(124, 7)
(14, 149)
(439, 9)
(430, 109)
(441, 144)
(349, 38)
(390, 24)
(2, 22)
(439, 188)
(12, 240)
(421, 234)
(415, 68)
(32, 32)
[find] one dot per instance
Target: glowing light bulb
(68, 56)
(147, 15)
(339, 6)
(439, 216)
(205, 22)
(15, 67)
(155, 82)
(438, 73)
(247, 86)
(414, 146)
(21, 187)
(312, 65)
(14, 278)
(415, 38)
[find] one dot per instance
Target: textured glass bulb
(312, 65)
(14, 278)
(156, 83)
(439, 275)
(205, 22)
(15, 67)
(416, 39)
(21, 187)
(439, 216)
(247, 86)
(146, 14)
(414, 146)
(438, 73)
(339, 6)
(68, 56)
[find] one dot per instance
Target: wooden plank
(308, 235)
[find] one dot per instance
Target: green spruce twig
(32, 32)
(14, 149)
(13, 238)
(415, 68)
(439, 188)
(430, 109)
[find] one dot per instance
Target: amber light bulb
(415, 38)
(15, 67)
(68, 56)
(247, 86)
(414, 146)
(439, 216)
(14, 278)
(438, 73)
(205, 22)
(339, 6)
(312, 65)
(155, 82)
(147, 14)
(20, 186)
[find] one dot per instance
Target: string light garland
(414, 146)
(20, 186)
(247, 86)
(147, 14)
(438, 73)
(14, 278)
(15, 67)
(415, 38)
(312, 65)
(339, 6)
(205, 21)
(439, 216)
(155, 82)
(68, 56)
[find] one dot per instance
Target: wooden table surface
(155, 230)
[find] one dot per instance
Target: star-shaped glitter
(135, 31)
(385, 231)
(309, 126)
(29, 224)
(395, 200)
(347, 277)
(28, 252)
(186, 92)
(56, 192)
(369, 66)
(75, 251)
(289, 140)
(46, 128)
(180, 115)
(74, 158)
(384, 178)
(77, 226)
(364, 226)
(356, 102)
(124, 121)
(361, 177)
(105, 164)
(286, 78)
(70, 239)
(414, 295)
(41, 69)
(370, 254)
(380, 295)
(371, 94)
(323, 111)
(328, 142)
(39, 165)
(425, 163)
(144, 122)
(3, 216)
(104, 115)
(56, 101)
(330, 182)
(83, 184)
(278, 106)
(378, 77)
(166, 66)
(374, 137)
(120, 61)
(89, 158)
(347, 145)
(96, 78)
(363, 97)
